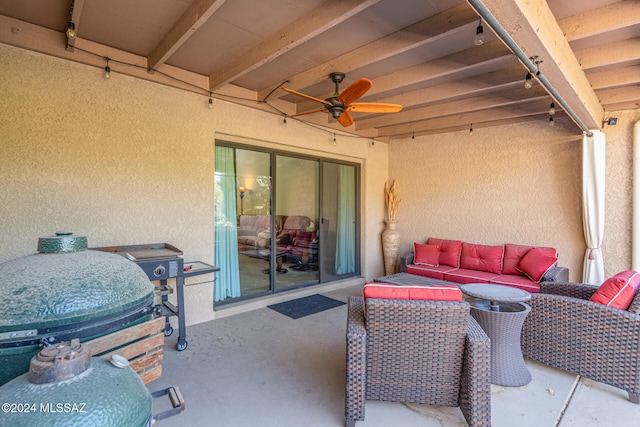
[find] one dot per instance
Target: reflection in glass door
(339, 255)
(297, 189)
(282, 221)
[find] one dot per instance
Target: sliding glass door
(339, 221)
(282, 221)
(297, 201)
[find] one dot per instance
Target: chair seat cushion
(411, 292)
(618, 291)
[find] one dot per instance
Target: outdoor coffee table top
(499, 293)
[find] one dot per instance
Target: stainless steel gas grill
(160, 262)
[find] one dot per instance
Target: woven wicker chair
(566, 331)
(428, 352)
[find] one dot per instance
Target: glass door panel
(338, 224)
(253, 200)
(297, 202)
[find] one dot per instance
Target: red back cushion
(449, 251)
(482, 257)
(535, 263)
(411, 292)
(426, 254)
(618, 291)
(514, 253)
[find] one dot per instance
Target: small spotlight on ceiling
(552, 109)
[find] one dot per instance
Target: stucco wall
(513, 184)
(126, 161)
(616, 246)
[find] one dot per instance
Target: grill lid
(67, 286)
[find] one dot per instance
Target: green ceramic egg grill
(63, 292)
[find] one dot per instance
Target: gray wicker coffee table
(500, 311)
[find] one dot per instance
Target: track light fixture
(211, 103)
(551, 122)
(479, 34)
(552, 109)
(107, 70)
(471, 129)
(284, 120)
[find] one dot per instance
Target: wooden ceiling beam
(319, 20)
(428, 30)
(493, 114)
(470, 61)
(467, 105)
(619, 95)
(614, 78)
(75, 13)
(476, 126)
(602, 20)
(612, 54)
(533, 28)
(193, 18)
(473, 86)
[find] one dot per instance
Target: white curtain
(593, 161)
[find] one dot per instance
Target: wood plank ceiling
(418, 53)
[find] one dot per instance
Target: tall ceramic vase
(390, 244)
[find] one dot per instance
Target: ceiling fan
(341, 103)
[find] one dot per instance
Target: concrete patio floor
(261, 368)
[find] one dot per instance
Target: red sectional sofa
(520, 266)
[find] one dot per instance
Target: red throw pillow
(535, 263)
(618, 291)
(411, 292)
(426, 254)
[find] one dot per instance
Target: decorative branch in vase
(390, 235)
(392, 200)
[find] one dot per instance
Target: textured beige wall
(616, 246)
(516, 184)
(511, 184)
(126, 161)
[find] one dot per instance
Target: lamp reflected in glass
(242, 190)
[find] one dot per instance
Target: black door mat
(305, 306)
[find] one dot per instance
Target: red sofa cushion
(618, 291)
(434, 272)
(426, 254)
(465, 275)
(449, 251)
(535, 263)
(517, 281)
(514, 253)
(411, 292)
(482, 257)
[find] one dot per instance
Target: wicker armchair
(428, 352)
(566, 331)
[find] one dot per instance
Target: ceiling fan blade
(311, 98)
(308, 112)
(374, 107)
(354, 91)
(345, 119)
